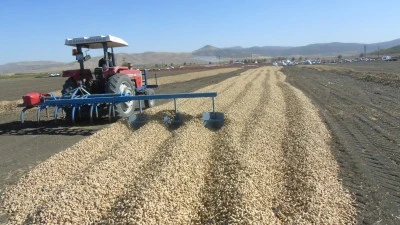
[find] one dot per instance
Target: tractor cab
(106, 67)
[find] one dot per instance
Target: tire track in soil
(149, 190)
(385, 140)
(222, 200)
(72, 168)
(388, 174)
(385, 117)
(359, 129)
(382, 139)
(362, 182)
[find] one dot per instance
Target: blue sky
(36, 30)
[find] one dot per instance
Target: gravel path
(269, 163)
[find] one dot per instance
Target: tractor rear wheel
(149, 103)
(121, 84)
(68, 87)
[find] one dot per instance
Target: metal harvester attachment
(210, 119)
(80, 98)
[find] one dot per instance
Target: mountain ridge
(145, 58)
(316, 49)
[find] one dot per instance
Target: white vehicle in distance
(54, 75)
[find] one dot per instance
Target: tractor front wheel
(121, 84)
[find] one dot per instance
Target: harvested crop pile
(190, 76)
(9, 105)
(269, 163)
(6, 106)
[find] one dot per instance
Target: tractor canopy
(103, 42)
(95, 42)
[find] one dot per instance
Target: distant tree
(156, 65)
(172, 64)
(306, 58)
(293, 58)
(340, 57)
(210, 62)
(361, 55)
(184, 63)
(300, 58)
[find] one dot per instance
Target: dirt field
(392, 67)
(363, 114)
(270, 163)
(12, 89)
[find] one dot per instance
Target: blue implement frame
(76, 101)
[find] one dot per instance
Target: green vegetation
(24, 75)
(389, 51)
(258, 60)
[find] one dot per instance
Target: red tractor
(109, 87)
(108, 77)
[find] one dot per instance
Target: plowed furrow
(221, 198)
(261, 180)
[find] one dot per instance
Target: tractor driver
(103, 62)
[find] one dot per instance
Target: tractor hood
(96, 41)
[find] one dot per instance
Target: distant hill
(389, 51)
(323, 49)
(26, 66)
(238, 51)
(137, 59)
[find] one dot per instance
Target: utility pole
(365, 51)
(379, 50)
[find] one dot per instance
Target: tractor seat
(98, 73)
